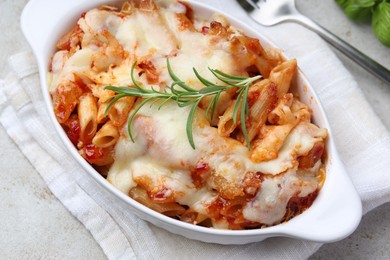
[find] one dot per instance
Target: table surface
(35, 225)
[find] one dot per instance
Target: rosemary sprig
(185, 95)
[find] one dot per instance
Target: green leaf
(215, 101)
(243, 117)
(236, 106)
(156, 100)
(342, 3)
(126, 90)
(222, 78)
(381, 23)
(357, 10)
(164, 102)
(203, 80)
(131, 118)
(112, 102)
(185, 95)
(228, 76)
(186, 103)
(211, 90)
(132, 77)
(364, 3)
(177, 80)
(189, 124)
(357, 13)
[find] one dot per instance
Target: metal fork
(272, 12)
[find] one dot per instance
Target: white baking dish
(334, 214)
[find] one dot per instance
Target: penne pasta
(263, 66)
(147, 6)
(260, 109)
(282, 75)
(101, 118)
(107, 135)
(118, 113)
(185, 22)
(169, 209)
(104, 97)
(108, 7)
(251, 54)
(314, 155)
(274, 56)
(217, 29)
(225, 99)
(232, 210)
(282, 113)
(266, 148)
(128, 7)
(65, 100)
(193, 217)
(87, 111)
(225, 187)
(112, 53)
(300, 111)
(227, 124)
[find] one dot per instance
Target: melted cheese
(161, 155)
(162, 146)
(298, 142)
(196, 51)
(269, 205)
(64, 68)
(159, 134)
(121, 174)
(95, 21)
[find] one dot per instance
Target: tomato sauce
(150, 71)
(97, 155)
(297, 205)
(200, 174)
(72, 129)
(162, 195)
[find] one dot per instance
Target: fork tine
(248, 5)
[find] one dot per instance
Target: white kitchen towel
(362, 141)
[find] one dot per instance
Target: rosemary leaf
(189, 124)
(245, 111)
(186, 96)
(228, 76)
(112, 102)
(203, 80)
(176, 80)
(131, 118)
(236, 106)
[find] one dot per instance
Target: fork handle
(366, 62)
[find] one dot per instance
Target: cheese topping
(218, 175)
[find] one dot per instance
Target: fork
(272, 12)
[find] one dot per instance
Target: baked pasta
(245, 170)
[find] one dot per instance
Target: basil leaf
(364, 3)
(361, 3)
(381, 23)
(343, 3)
(357, 13)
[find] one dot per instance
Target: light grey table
(34, 225)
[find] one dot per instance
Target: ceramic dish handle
(327, 224)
